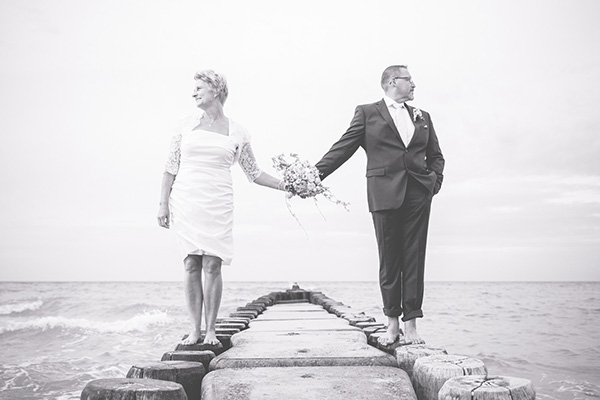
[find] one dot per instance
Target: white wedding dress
(201, 200)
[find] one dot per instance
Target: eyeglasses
(404, 78)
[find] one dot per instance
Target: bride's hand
(164, 216)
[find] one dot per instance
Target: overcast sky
(90, 92)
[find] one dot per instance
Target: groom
(404, 171)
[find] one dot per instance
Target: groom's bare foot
(211, 338)
(192, 338)
(392, 333)
(410, 333)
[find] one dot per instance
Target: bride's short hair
(216, 82)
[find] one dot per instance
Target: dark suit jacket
(389, 160)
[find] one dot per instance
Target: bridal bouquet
(302, 179)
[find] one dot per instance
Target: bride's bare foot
(211, 338)
(410, 335)
(392, 333)
(192, 338)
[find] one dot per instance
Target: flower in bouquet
(302, 179)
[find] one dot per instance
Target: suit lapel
(385, 113)
(418, 124)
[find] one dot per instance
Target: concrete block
(407, 355)
(303, 383)
(281, 316)
(431, 372)
(188, 374)
(217, 349)
(204, 357)
(250, 310)
(363, 325)
(339, 310)
(482, 387)
(291, 301)
(287, 307)
(126, 389)
(233, 320)
(355, 319)
(336, 324)
(300, 348)
(243, 314)
(226, 325)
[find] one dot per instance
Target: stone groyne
(299, 344)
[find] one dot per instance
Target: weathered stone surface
(244, 314)
(291, 301)
(269, 301)
(228, 320)
(279, 316)
(299, 383)
(336, 324)
(226, 331)
(217, 349)
(339, 310)
(295, 295)
(188, 374)
(293, 307)
(127, 389)
(231, 325)
(407, 355)
(481, 387)
(363, 325)
(356, 319)
(204, 357)
(431, 372)
(327, 304)
(300, 348)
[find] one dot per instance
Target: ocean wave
(6, 309)
(138, 322)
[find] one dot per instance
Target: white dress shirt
(401, 118)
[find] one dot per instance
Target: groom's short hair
(386, 76)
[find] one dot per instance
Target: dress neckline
(215, 133)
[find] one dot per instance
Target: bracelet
(281, 185)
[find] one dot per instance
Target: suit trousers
(402, 240)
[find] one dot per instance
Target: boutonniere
(417, 115)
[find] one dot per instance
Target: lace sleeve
(172, 165)
(248, 162)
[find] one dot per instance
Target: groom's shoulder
(368, 106)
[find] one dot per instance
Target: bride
(197, 197)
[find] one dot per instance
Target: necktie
(400, 121)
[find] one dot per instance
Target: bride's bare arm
(163, 207)
(171, 170)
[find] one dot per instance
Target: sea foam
(7, 309)
(138, 322)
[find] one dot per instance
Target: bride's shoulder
(185, 124)
(238, 131)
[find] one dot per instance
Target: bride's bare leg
(193, 295)
(213, 290)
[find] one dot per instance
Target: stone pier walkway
(299, 350)
(302, 345)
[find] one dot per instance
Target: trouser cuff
(412, 315)
(392, 312)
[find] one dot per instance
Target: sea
(55, 337)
